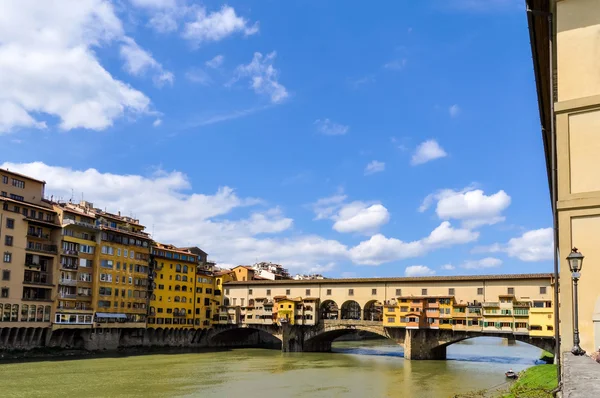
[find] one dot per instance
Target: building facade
(564, 42)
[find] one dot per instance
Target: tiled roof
(397, 279)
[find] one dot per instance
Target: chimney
(119, 213)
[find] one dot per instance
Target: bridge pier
(419, 345)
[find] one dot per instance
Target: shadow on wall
(246, 337)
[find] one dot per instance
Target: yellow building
(285, 308)
(173, 288)
(120, 295)
(564, 43)
(541, 318)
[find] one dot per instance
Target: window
(227, 291)
(391, 320)
(543, 290)
(131, 254)
(10, 223)
(7, 257)
(6, 275)
(4, 292)
(511, 290)
(451, 291)
(125, 253)
(423, 292)
(373, 292)
(329, 292)
(398, 292)
(250, 292)
(8, 240)
(287, 292)
(350, 292)
(268, 292)
(480, 291)
(308, 292)
(106, 264)
(118, 252)
(4, 179)
(18, 183)
(108, 250)
(17, 197)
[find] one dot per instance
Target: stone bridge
(418, 344)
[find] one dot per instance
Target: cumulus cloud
(374, 167)
(44, 54)
(448, 267)
(215, 62)
(217, 25)
(488, 262)
(138, 61)
(531, 246)
(264, 78)
(327, 127)
(418, 270)
(427, 151)
(472, 206)
(380, 249)
(360, 217)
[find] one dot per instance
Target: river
(373, 368)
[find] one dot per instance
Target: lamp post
(575, 262)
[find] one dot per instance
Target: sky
(365, 140)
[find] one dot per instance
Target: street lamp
(575, 260)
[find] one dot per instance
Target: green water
(357, 369)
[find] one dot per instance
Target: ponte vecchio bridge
(424, 314)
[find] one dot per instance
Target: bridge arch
(247, 336)
(329, 310)
(373, 311)
(351, 310)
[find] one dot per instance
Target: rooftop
(396, 279)
(22, 176)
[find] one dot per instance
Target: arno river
(357, 369)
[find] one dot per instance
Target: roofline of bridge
(393, 279)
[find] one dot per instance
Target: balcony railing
(67, 282)
(37, 278)
(69, 252)
(70, 267)
(39, 235)
(491, 304)
(79, 224)
(37, 247)
(67, 295)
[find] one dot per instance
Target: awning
(107, 315)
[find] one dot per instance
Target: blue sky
(304, 133)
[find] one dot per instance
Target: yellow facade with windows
(174, 288)
(205, 307)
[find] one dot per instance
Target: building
(172, 302)
(300, 277)
(564, 45)
(270, 271)
(28, 234)
(76, 268)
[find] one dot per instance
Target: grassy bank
(535, 382)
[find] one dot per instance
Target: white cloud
(360, 217)
(155, 4)
(488, 262)
(327, 127)
(397, 64)
(531, 246)
(157, 123)
(326, 207)
(448, 267)
(418, 270)
(379, 249)
(454, 110)
(217, 25)
(427, 151)
(138, 61)
(374, 167)
(472, 206)
(264, 78)
(200, 76)
(215, 62)
(48, 66)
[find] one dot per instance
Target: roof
(22, 176)
(397, 279)
(25, 203)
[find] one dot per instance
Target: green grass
(547, 357)
(535, 382)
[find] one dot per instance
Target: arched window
(152, 310)
(184, 288)
(177, 288)
(14, 316)
(184, 278)
(39, 316)
(218, 282)
(351, 310)
(177, 277)
(32, 311)
(47, 311)
(184, 300)
(251, 303)
(226, 301)
(185, 269)
(153, 285)
(6, 316)
(329, 310)
(178, 268)
(1, 312)
(177, 299)
(153, 297)
(24, 313)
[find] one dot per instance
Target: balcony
(37, 278)
(494, 304)
(69, 267)
(217, 292)
(42, 222)
(69, 252)
(36, 294)
(66, 222)
(68, 296)
(179, 313)
(84, 296)
(41, 248)
(38, 235)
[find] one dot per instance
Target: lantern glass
(575, 260)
